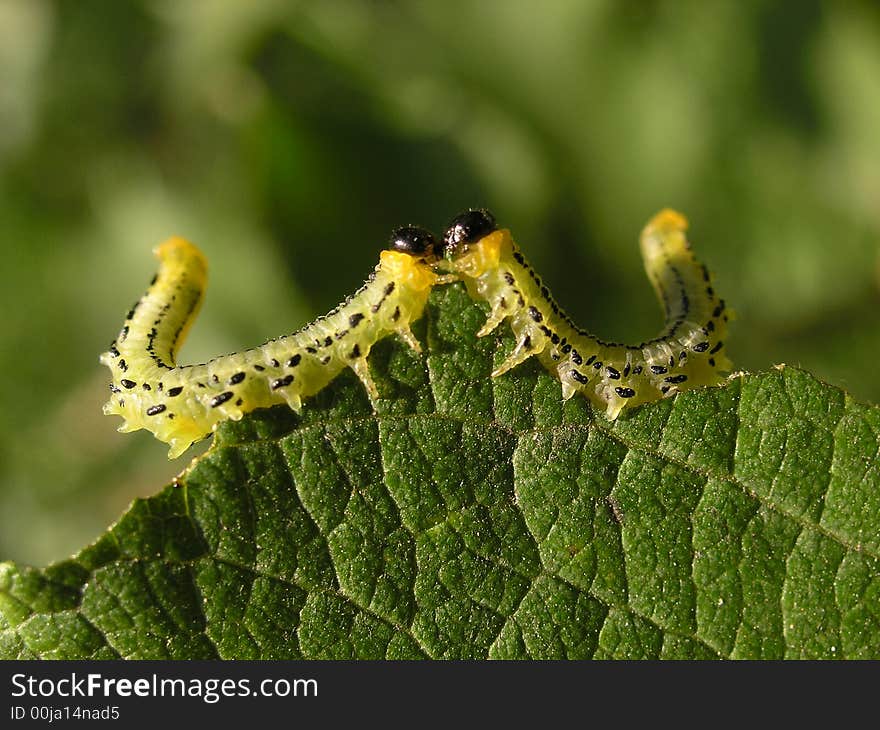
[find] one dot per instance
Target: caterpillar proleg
(688, 352)
(181, 404)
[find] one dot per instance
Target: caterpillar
(180, 404)
(687, 353)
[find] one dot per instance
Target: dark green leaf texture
(475, 517)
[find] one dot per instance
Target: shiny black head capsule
(413, 240)
(469, 227)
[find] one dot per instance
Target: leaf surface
(474, 517)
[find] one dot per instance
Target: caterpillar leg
(405, 334)
(293, 400)
(230, 414)
(495, 318)
(190, 433)
(614, 407)
(362, 370)
(568, 389)
(177, 447)
(566, 374)
(524, 349)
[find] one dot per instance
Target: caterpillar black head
(468, 227)
(413, 240)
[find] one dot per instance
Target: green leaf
(480, 517)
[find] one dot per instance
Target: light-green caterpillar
(181, 404)
(687, 353)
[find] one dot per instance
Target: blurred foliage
(288, 138)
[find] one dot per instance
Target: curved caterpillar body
(687, 353)
(181, 404)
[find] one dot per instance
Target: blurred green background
(288, 138)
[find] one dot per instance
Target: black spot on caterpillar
(687, 353)
(180, 404)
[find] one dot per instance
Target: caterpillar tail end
(666, 221)
(664, 235)
(179, 249)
